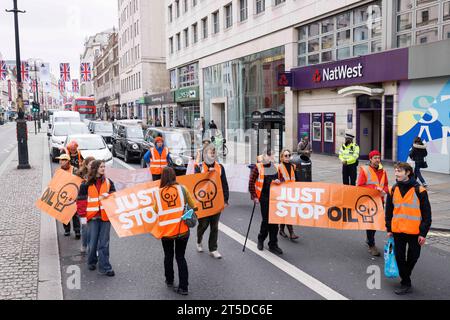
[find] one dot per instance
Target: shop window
(404, 40)
(360, 49)
(343, 37)
(343, 53)
(360, 33)
(313, 45)
(313, 59)
(327, 56)
(327, 42)
(446, 31)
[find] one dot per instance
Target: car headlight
(178, 161)
(135, 146)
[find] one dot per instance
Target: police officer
(349, 155)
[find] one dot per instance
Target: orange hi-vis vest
(94, 201)
(217, 167)
(372, 178)
(158, 162)
(406, 216)
(260, 181)
(80, 161)
(171, 205)
(282, 172)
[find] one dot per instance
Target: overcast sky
(55, 30)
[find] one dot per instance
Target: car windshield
(68, 129)
(89, 143)
(103, 127)
(179, 142)
(135, 132)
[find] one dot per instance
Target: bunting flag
(64, 69)
(33, 86)
(61, 86)
(25, 71)
(3, 70)
(75, 86)
(85, 71)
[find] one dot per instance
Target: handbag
(424, 164)
(189, 216)
(390, 264)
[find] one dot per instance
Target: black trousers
(349, 174)
(156, 177)
(370, 237)
(213, 222)
(76, 224)
(267, 229)
(406, 258)
(176, 247)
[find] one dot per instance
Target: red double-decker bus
(86, 107)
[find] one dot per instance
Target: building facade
(142, 64)
(372, 68)
(107, 80)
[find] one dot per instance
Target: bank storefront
(187, 111)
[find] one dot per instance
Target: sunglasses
(287, 155)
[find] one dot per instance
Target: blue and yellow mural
(424, 110)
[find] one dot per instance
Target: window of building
(277, 2)
(188, 75)
(170, 13)
(185, 6)
(194, 33)
(228, 15)
(177, 8)
(171, 44)
(260, 6)
(215, 22)
(194, 3)
(446, 31)
(173, 79)
(243, 9)
(186, 37)
(205, 27)
(178, 42)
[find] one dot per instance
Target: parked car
(128, 142)
(103, 128)
(92, 145)
(180, 143)
(59, 134)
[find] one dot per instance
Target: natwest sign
(380, 67)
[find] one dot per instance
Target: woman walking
(176, 234)
(418, 154)
(83, 174)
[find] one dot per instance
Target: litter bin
(303, 167)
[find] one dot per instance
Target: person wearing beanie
(304, 148)
(349, 155)
(373, 176)
(157, 158)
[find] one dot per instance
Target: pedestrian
(89, 205)
(179, 125)
(203, 126)
(373, 176)
(64, 161)
(263, 174)
(408, 220)
(417, 154)
(83, 173)
(176, 239)
(286, 173)
(210, 164)
(212, 125)
(157, 158)
(304, 147)
(76, 159)
(200, 153)
(349, 155)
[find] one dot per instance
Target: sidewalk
(328, 169)
(21, 238)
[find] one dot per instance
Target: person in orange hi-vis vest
(89, 206)
(286, 173)
(259, 183)
(373, 176)
(174, 197)
(76, 159)
(64, 162)
(157, 158)
(408, 220)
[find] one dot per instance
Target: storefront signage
(379, 67)
(159, 99)
(285, 79)
(187, 94)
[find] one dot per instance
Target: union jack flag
(64, 69)
(62, 86)
(75, 86)
(3, 70)
(25, 71)
(33, 86)
(85, 71)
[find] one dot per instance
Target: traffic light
(35, 107)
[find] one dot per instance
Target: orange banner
(60, 198)
(326, 205)
(131, 211)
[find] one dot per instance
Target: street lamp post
(22, 135)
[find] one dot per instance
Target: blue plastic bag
(390, 264)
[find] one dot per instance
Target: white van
(66, 116)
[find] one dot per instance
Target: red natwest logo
(317, 77)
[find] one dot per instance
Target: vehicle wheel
(125, 157)
(225, 151)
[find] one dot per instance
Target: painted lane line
(123, 164)
(302, 277)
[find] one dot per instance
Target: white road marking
(302, 277)
(123, 164)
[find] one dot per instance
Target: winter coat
(418, 153)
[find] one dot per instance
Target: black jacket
(425, 207)
(223, 179)
(418, 153)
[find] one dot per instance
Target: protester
(210, 164)
(203, 126)
(408, 220)
(373, 176)
(263, 174)
(83, 173)
(200, 153)
(349, 155)
(286, 173)
(417, 154)
(212, 125)
(89, 205)
(176, 240)
(157, 158)
(304, 148)
(64, 161)
(76, 159)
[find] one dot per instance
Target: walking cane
(251, 218)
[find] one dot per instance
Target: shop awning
(359, 90)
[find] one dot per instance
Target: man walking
(373, 176)
(349, 155)
(157, 158)
(408, 220)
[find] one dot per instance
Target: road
(8, 142)
(322, 264)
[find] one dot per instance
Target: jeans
(406, 259)
(349, 174)
(213, 222)
(176, 247)
(418, 174)
(76, 224)
(267, 229)
(370, 237)
(84, 235)
(99, 241)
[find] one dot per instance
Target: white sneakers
(215, 254)
(199, 247)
